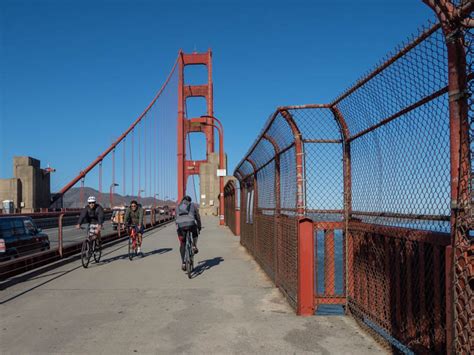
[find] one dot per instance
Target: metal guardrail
(63, 250)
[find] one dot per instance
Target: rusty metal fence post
(60, 234)
(305, 267)
(455, 20)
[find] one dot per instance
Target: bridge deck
(150, 306)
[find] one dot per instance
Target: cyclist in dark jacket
(187, 218)
(93, 214)
(134, 217)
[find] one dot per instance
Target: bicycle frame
(91, 245)
(133, 234)
(189, 244)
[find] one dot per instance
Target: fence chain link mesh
(377, 184)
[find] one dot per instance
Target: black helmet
(187, 198)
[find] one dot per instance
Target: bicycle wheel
(189, 256)
(191, 262)
(85, 253)
(97, 250)
(189, 267)
(130, 248)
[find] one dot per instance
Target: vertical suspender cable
(133, 163)
(113, 176)
(160, 153)
(139, 164)
(150, 161)
(123, 169)
(100, 182)
(145, 153)
(81, 194)
(154, 156)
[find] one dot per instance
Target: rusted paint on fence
(305, 267)
(405, 271)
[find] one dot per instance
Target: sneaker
(183, 267)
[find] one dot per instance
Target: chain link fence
(384, 172)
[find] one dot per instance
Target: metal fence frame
(232, 207)
(57, 221)
(412, 286)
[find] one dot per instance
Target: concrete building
(29, 189)
(10, 189)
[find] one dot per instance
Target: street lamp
(111, 197)
(140, 191)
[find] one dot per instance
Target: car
(164, 210)
(20, 236)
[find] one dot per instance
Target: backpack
(184, 208)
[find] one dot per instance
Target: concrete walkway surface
(149, 306)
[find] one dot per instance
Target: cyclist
(187, 218)
(134, 217)
(93, 214)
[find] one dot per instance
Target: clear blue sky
(74, 74)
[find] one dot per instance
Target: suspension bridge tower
(212, 169)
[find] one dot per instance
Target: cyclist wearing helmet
(93, 214)
(134, 216)
(187, 218)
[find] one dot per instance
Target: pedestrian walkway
(149, 306)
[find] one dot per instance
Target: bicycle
(91, 246)
(132, 241)
(189, 253)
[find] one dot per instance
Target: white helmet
(91, 199)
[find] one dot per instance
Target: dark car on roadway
(19, 236)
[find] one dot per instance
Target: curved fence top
(395, 121)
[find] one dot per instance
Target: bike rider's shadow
(144, 255)
(206, 265)
(156, 251)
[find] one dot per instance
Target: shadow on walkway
(206, 265)
(144, 255)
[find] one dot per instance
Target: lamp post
(139, 192)
(111, 197)
(220, 129)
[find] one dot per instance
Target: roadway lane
(71, 235)
(149, 306)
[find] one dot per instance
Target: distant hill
(71, 199)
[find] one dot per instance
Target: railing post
(454, 19)
(449, 300)
(237, 222)
(305, 267)
(60, 234)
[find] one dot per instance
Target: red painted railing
(366, 202)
